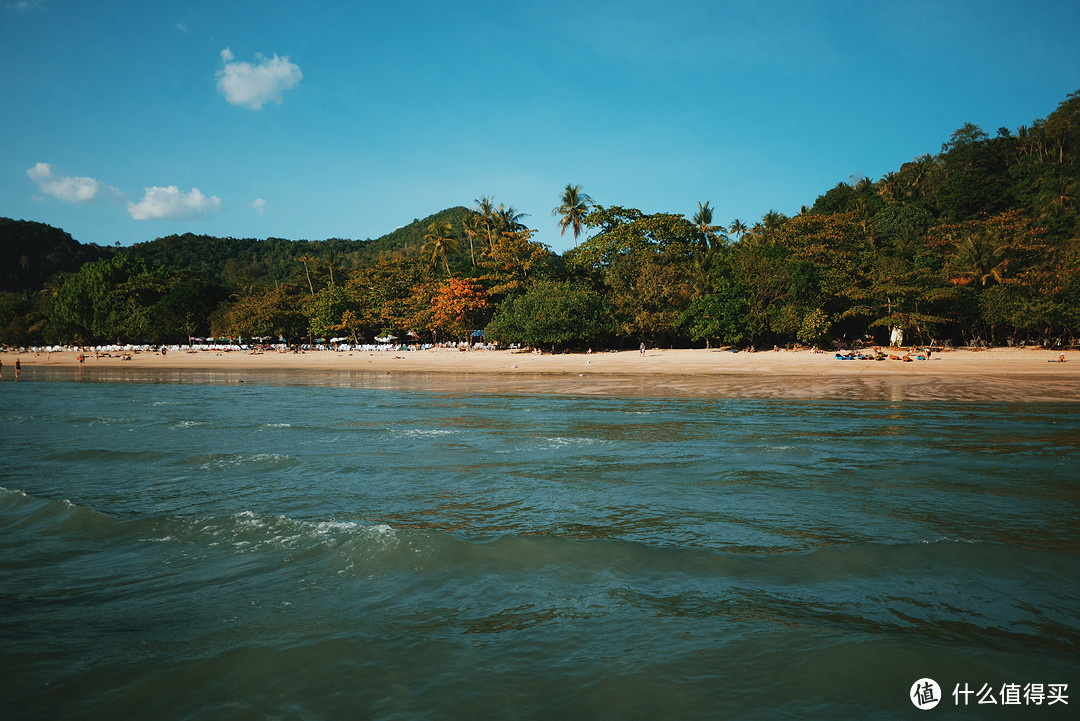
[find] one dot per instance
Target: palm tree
(773, 220)
(702, 220)
(438, 241)
(1061, 197)
(472, 226)
(983, 257)
(702, 278)
(508, 219)
(737, 227)
(331, 261)
(575, 205)
(307, 271)
(485, 209)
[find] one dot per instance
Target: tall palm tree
(305, 259)
(485, 209)
(508, 219)
(472, 226)
(773, 220)
(573, 208)
(702, 272)
(438, 241)
(702, 220)
(737, 227)
(331, 261)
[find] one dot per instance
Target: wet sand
(1011, 375)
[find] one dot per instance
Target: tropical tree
(552, 313)
(494, 221)
(703, 220)
(307, 272)
(513, 261)
(458, 307)
(325, 310)
(722, 315)
(509, 219)
(572, 210)
(438, 241)
(485, 220)
(737, 227)
(982, 257)
(472, 227)
(263, 312)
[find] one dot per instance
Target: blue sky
(127, 121)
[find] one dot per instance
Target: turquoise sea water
(290, 550)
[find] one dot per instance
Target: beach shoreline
(1011, 374)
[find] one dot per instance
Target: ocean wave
(100, 454)
(249, 461)
(187, 424)
(29, 520)
(104, 421)
(558, 441)
(425, 432)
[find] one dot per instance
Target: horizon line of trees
(979, 243)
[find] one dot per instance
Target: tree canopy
(979, 242)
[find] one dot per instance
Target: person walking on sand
(642, 347)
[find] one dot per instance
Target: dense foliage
(978, 243)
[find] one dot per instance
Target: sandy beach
(1010, 374)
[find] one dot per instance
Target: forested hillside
(242, 262)
(977, 243)
(31, 253)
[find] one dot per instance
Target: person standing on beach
(643, 348)
(18, 369)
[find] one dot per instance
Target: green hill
(242, 262)
(31, 253)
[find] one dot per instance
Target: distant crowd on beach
(112, 350)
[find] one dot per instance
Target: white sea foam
(426, 432)
(326, 527)
(232, 460)
(574, 441)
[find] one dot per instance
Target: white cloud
(24, 6)
(259, 204)
(71, 188)
(171, 203)
(255, 85)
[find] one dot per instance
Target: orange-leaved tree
(458, 306)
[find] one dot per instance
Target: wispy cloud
(25, 6)
(73, 189)
(254, 85)
(259, 204)
(171, 203)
